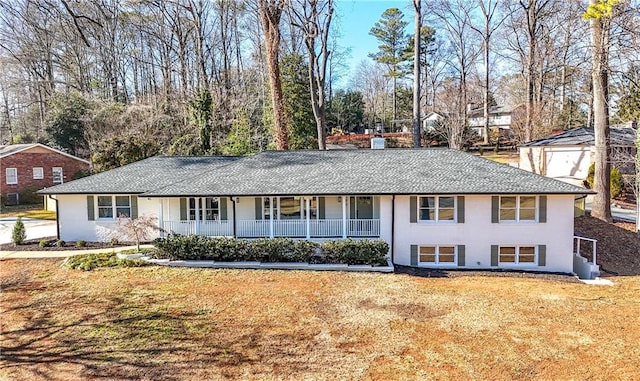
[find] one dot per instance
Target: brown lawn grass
(157, 323)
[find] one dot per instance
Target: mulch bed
(34, 245)
(618, 247)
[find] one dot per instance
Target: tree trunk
(601, 207)
(270, 12)
(416, 74)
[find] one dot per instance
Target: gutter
(393, 224)
(57, 216)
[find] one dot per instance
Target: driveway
(623, 214)
(35, 228)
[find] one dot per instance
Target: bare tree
(270, 13)
(313, 18)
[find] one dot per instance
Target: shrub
(81, 243)
(114, 241)
(29, 196)
(19, 232)
(60, 243)
(223, 249)
(43, 243)
(616, 181)
(89, 262)
(144, 250)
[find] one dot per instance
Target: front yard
(155, 323)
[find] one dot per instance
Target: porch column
(161, 216)
(197, 219)
(344, 217)
(306, 206)
(271, 216)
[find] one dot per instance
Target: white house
(568, 155)
(500, 119)
(436, 208)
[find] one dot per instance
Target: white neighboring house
(437, 208)
(567, 156)
(500, 118)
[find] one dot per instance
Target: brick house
(27, 168)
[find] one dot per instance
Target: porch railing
(577, 240)
(317, 228)
(206, 228)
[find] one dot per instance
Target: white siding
(74, 220)
(565, 163)
(478, 233)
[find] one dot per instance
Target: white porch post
(161, 217)
(306, 205)
(271, 216)
(344, 217)
(197, 219)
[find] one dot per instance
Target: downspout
(233, 200)
(57, 217)
(393, 224)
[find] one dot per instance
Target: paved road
(35, 228)
(618, 213)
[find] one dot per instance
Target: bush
(60, 243)
(81, 243)
(223, 249)
(19, 232)
(29, 196)
(89, 262)
(616, 181)
(114, 241)
(43, 243)
(144, 251)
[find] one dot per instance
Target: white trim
(53, 174)
(114, 207)
(517, 262)
(13, 176)
(517, 210)
(41, 171)
(437, 256)
(46, 147)
(436, 208)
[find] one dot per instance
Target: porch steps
(270, 265)
(585, 269)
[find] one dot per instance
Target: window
(123, 207)
(517, 254)
(289, 208)
(11, 175)
(57, 175)
(105, 207)
(38, 173)
(210, 210)
(518, 208)
(110, 207)
(437, 254)
(437, 208)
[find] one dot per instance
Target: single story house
(27, 168)
(567, 156)
(435, 207)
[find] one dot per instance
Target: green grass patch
(28, 211)
(88, 262)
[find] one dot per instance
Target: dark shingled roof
(142, 176)
(390, 171)
(336, 172)
(619, 136)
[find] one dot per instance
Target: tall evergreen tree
(392, 51)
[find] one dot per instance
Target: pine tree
(19, 233)
(393, 48)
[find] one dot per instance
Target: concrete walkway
(61, 253)
(35, 228)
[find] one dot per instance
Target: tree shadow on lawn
(129, 340)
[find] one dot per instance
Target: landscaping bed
(51, 245)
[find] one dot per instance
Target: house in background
(437, 208)
(567, 156)
(27, 168)
(501, 119)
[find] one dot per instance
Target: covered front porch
(275, 216)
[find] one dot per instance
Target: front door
(361, 207)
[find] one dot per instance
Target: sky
(355, 18)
